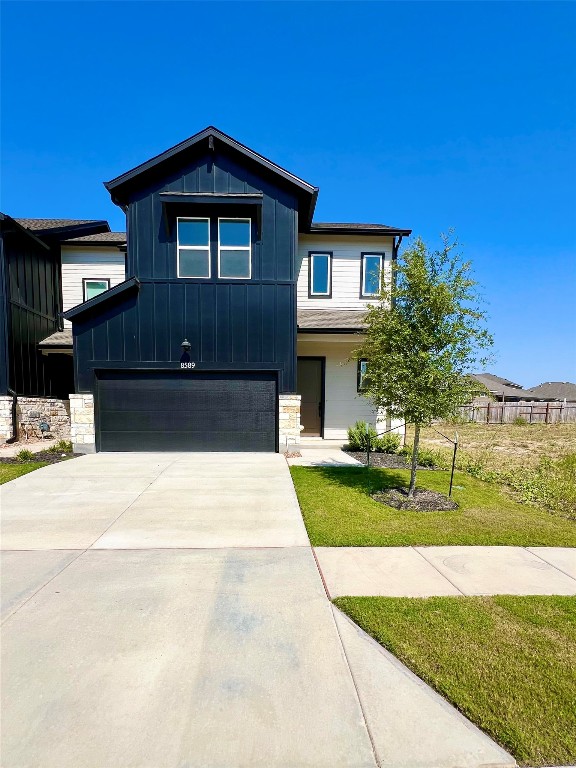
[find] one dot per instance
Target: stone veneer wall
(32, 411)
(82, 430)
(289, 426)
(5, 417)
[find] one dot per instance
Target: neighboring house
(225, 318)
(554, 391)
(504, 390)
(30, 311)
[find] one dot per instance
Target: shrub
(359, 434)
(62, 446)
(388, 443)
(519, 421)
(24, 455)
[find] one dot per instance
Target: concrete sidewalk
(429, 571)
(166, 610)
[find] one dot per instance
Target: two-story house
(224, 318)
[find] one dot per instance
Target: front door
(311, 389)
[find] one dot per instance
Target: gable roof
(118, 186)
(503, 387)
(555, 390)
(57, 227)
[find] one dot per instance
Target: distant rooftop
(57, 225)
(555, 390)
(356, 228)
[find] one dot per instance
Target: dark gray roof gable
(102, 239)
(86, 306)
(310, 192)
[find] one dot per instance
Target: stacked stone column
(289, 422)
(82, 429)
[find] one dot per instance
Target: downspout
(14, 437)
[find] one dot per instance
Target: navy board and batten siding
(30, 309)
(242, 332)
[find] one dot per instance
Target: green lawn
(506, 662)
(11, 471)
(338, 512)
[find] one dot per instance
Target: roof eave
(102, 298)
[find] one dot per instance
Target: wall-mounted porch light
(186, 346)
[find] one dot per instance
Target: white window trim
(192, 247)
(381, 257)
(86, 280)
(235, 248)
(329, 284)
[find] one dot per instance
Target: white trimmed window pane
(320, 273)
(234, 263)
(94, 288)
(234, 232)
(193, 263)
(371, 275)
(193, 232)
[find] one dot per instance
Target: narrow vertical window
(94, 287)
(193, 248)
(362, 368)
(234, 249)
(371, 273)
(320, 275)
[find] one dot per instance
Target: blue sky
(421, 115)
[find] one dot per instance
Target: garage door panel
(164, 420)
(156, 411)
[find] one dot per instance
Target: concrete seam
(355, 684)
(416, 549)
(15, 611)
(129, 506)
(552, 565)
(321, 575)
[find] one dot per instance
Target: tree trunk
(414, 461)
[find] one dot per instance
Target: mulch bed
(422, 501)
(49, 458)
(383, 460)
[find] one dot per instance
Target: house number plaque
(187, 365)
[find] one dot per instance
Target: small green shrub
(24, 455)
(519, 421)
(388, 443)
(62, 446)
(359, 434)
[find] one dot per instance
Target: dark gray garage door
(186, 411)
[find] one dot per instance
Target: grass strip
(505, 662)
(338, 511)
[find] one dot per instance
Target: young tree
(422, 338)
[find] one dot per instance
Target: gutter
(14, 437)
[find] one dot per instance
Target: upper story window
(371, 274)
(193, 247)
(320, 275)
(93, 288)
(234, 249)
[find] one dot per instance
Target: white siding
(343, 405)
(346, 268)
(92, 263)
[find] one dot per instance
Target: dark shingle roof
(555, 390)
(47, 225)
(348, 320)
(356, 228)
(104, 238)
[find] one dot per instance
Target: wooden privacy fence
(533, 413)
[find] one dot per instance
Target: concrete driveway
(166, 610)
